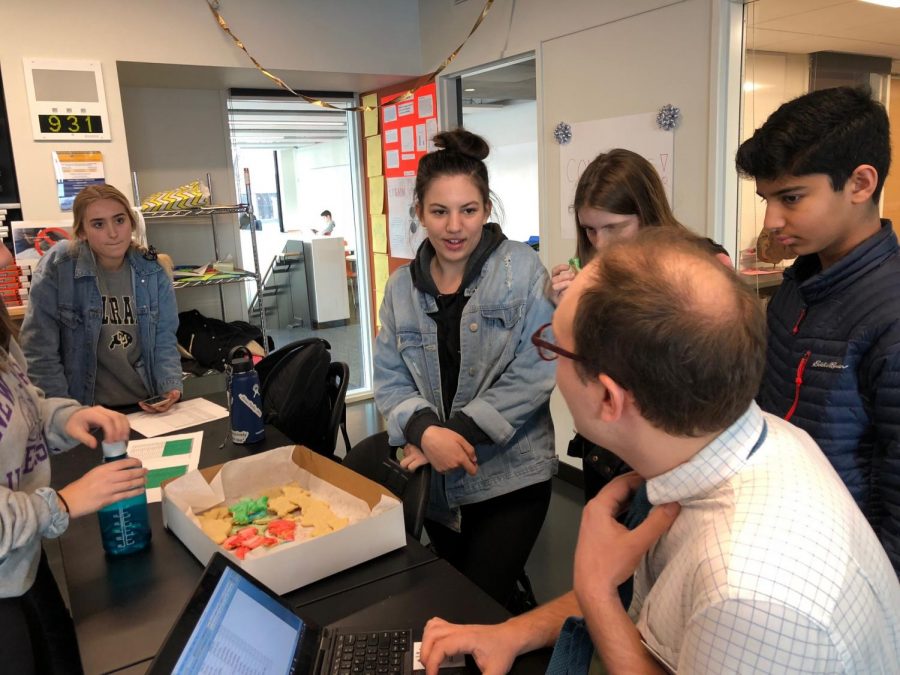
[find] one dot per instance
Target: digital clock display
(71, 124)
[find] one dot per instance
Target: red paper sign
(407, 128)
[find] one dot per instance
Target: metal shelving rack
(211, 212)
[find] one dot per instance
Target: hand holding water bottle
(104, 485)
(124, 524)
(107, 483)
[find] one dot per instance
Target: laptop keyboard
(382, 653)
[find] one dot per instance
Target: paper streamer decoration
(425, 79)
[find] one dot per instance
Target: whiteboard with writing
(638, 133)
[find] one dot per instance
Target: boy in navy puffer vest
(833, 358)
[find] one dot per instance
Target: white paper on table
(151, 452)
(452, 661)
(182, 415)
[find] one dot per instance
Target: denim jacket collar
(86, 265)
(428, 302)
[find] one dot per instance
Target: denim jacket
(504, 386)
(61, 329)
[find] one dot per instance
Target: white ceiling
(806, 26)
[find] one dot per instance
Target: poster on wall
(33, 238)
(75, 170)
(638, 133)
(405, 232)
(408, 125)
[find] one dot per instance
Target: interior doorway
(499, 102)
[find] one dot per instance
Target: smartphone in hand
(155, 401)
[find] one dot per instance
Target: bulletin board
(407, 129)
(396, 136)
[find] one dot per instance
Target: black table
(123, 607)
(407, 598)
(410, 598)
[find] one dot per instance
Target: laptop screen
(241, 630)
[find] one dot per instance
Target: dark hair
(326, 212)
(621, 181)
(830, 131)
(675, 327)
(462, 155)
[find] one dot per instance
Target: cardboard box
(291, 565)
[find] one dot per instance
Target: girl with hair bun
(101, 319)
(457, 378)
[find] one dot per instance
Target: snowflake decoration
(668, 117)
(562, 133)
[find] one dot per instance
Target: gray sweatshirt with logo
(31, 427)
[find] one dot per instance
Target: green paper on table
(156, 477)
(180, 447)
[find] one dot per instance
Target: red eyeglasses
(549, 351)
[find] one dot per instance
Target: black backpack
(303, 394)
(209, 340)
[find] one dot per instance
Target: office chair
(350, 265)
(336, 383)
(374, 458)
(304, 394)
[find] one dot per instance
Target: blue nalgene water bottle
(124, 525)
(244, 400)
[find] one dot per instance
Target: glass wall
(303, 161)
(792, 47)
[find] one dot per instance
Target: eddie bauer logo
(831, 365)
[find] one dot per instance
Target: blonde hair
(96, 193)
(92, 194)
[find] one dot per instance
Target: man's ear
(613, 400)
(862, 183)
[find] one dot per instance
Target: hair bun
(464, 142)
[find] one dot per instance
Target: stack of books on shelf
(15, 283)
(207, 273)
(15, 280)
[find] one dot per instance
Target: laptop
(234, 624)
